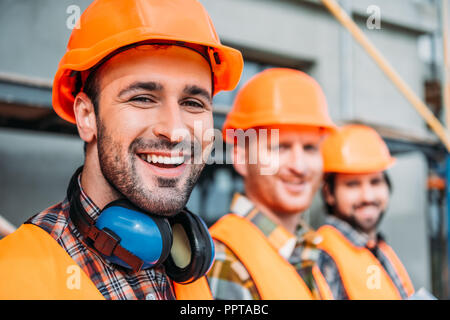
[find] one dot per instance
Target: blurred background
(39, 152)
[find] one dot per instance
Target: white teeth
(152, 158)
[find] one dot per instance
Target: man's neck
(95, 185)
(371, 235)
(288, 221)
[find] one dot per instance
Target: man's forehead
(150, 63)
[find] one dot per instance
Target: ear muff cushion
(206, 252)
(201, 250)
(209, 251)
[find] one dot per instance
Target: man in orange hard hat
(137, 77)
(263, 249)
(356, 261)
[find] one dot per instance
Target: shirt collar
(281, 239)
(89, 206)
(356, 237)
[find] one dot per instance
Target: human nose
(171, 125)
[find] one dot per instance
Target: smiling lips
(160, 159)
(165, 165)
(368, 210)
(295, 185)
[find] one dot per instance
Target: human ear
(85, 117)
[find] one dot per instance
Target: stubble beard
(167, 197)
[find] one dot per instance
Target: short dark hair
(329, 183)
(91, 88)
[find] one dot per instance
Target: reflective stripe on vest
(33, 266)
(274, 277)
(363, 276)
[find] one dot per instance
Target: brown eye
(283, 146)
(193, 103)
(352, 183)
(311, 147)
(376, 182)
(142, 99)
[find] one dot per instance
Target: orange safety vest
(356, 267)
(33, 266)
(275, 278)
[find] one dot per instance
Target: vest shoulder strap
(260, 259)
(35, 267)
(363, 276)
(399, 268)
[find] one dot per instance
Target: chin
(166, 202)
(291, 209)
(164, 210)
(368, 227)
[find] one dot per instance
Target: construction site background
(39, 152)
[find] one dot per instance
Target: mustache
(376, 204)
(185, 147)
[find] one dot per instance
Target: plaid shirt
(330, 270)
(230, 280)
(112, 281)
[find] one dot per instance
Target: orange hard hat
(106, 26)
(355, 149)
(278, 96)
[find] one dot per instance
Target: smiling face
(291, 187)
(360, 199)
(150, 98)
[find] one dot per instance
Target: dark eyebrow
(148, 86)
(196, 90)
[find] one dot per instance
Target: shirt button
(150, 296)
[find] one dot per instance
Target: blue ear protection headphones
(126, 236)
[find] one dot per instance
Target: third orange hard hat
(278, 96)
(355, 149)
(106, 26)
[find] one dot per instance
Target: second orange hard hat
(355, 149)
(278, 96)
(106, 26)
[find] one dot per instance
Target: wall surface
(35, 169)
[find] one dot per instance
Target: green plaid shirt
(230, 280)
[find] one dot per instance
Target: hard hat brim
(362, 169)
(234, 122)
